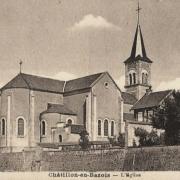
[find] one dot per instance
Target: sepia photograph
(89, 89)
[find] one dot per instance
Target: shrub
(112, 141)
(162, 138)
(134, 143)
(121, 139)
(146, 138)
(84, 140)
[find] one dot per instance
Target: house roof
(138, 51)
(128, 116)
(81, 83)
(76, 128)
(58, 108)
(35, 83)
(128, 98)
(151, 100)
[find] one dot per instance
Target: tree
(167, 117)
(84, 139)
(147, 138)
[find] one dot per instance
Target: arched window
(146, 77)
(134, 78)
(130, 79)
(112, 128)
(142, 78)
(20, 127)
(60, 138)
(69, 122)
(43, 128)
(105, 127)
(99, 127)
(3, 126)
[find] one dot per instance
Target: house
(143, 110)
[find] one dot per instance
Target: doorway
(60, 138)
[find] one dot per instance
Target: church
(35, 110)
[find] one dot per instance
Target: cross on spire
(20, 65)
(138, 11)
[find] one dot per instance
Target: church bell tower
(138, 66)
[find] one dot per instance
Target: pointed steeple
(138, 48)
(138, 51)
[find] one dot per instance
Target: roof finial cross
(20, 65)
(138, 11)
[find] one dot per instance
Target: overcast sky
(66, 39)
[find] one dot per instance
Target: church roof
(51, 85)
(58, 108)
(138, 51)
(81, 83)
(151, 100)
(128, 98)
(39, 83)
(35, 83)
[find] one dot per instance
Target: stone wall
(133, 159)
(153, 159)
(98, 160)
(83, 161)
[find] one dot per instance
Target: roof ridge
(86, 76)
(44, 77)
(161, 91)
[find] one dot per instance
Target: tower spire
(20, 66)
(138, 51)
(138, 12)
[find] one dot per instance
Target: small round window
(106, 84)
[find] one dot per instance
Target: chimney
(149, 90)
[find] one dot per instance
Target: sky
(66, 39)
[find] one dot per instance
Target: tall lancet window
(43, 128)
(146, 79)
(99, 127)
(105, 127)
(142, 78)
(112, 128)
(20, 127)
(130, 79)
(3, 127)
(134, 78)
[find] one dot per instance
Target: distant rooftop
(128, 98)
(151, 100)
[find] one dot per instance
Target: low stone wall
(94, 160)
(98, 160)
(165, 158)
(133, 159)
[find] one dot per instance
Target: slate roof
(128, 98)
(35, 83)
(51, 85)
(128, 116)
(151, 100)
(134, 56)
(81, 83)
(58, 108)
